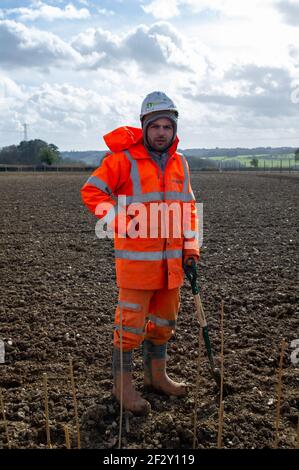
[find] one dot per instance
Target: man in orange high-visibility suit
(145, 167)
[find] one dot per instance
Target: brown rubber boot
(160, 380)
(155, 376)
(132, 400)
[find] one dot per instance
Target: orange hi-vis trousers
(146, 314)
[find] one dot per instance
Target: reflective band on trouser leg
(163, 310)
(148, 255)
(132, 304)
(162, 322)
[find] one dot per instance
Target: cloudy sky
(74, 70)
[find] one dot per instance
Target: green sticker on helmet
(152, 104)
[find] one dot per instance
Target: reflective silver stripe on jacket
(186, 174)
(148, 255)
(145, 197)
(162, 321)
(99, 183)
(186, 181)
(134, 174)
(131, 329)
(160, 197)
(130, 305)
(176, 196)
(138, 196)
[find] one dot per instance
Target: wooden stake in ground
(221, 405)
(197, 388)
(121, 375)
(4, 419)
(67, 437)
(277, 420)
(75, 402)
(47, 411)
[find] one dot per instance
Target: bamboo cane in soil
(67, 437)
(221, 406)
(47, 411)
(75, 402)
(121, 376)
(277, 420)
(4, 419)
(197, 388)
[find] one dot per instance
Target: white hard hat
(157, 101)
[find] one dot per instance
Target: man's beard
(161, 149)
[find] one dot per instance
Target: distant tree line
(196, 163)
(235, 152)
(32, 152)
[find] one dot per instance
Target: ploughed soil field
(58, 296)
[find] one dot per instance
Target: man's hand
(190, 260)
(190, 268)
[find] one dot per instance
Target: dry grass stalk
(127, 419)
(47, 410)
(4, 419)
(197, 388)
(67, 437)
(279, 386)
(221, 405)
(220, 425)
(75, 402)
(121, 376)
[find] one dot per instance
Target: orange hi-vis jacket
(152, 260)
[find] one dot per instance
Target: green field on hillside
(264, 161)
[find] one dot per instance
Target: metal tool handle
(191, 273)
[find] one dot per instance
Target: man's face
(160, 134)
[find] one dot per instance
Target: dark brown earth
(58, 295)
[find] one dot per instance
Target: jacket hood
(124, 137)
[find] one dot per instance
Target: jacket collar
(131, 138)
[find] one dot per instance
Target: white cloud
(260, 91)
(162, 9)
(230, 70)
(25, 47)
(153, 48)
(104, 11)
(54, 112)
(294, 53)
(9, 89)
(49, 13)
(289, 10)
